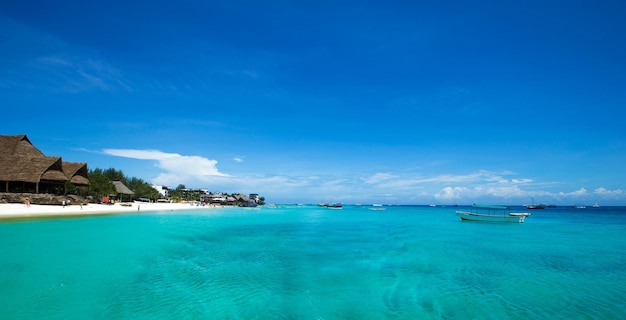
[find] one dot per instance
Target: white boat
(492, 214)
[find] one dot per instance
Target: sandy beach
(15, 211)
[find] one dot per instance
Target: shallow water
(308, 262)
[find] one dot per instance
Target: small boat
(534, 206)
(377, 207)
(488, 213)
(595, 205)
(334, 206)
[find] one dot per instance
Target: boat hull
(510, 218)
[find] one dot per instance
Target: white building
(163, 190)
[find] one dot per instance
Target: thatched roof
(121, 188)
(241, 197)
(23, 162)
(76, 172)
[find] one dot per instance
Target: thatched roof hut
(23, 168)
(122, 189)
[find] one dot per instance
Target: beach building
(122, 190)
(213, 198)
(163, 190)
(25, 169)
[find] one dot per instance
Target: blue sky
(321, 101)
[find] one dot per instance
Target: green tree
(142, 189)
(115, 175)
(99, 184)
(69, 187)
(178, 193)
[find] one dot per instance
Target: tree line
(101, 184)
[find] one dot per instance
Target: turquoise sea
(309, 262)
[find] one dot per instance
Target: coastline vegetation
(101, 185)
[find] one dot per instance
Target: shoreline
(18, 211)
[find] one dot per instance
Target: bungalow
(122, 190)
(25, 169)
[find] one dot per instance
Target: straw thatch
(24, 168)
(121, 188)
(77, 173)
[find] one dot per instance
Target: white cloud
(237, 159)
(503, 192)
(75, 73)
(582, 195)
(178, 168)
(609, 193)
(379, 177)
(578, 193)
(46, 62)
(451, 193)
(481, 186)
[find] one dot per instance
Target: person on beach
(63, 203)
(28, 203)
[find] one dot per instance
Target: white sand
(12, 211)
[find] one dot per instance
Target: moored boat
(487, 213)
(535, 206)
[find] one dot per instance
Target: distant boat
(377, 207)
(596, 205)
(534, 206)
(337, 205)
(488, 213)
(580, 207)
